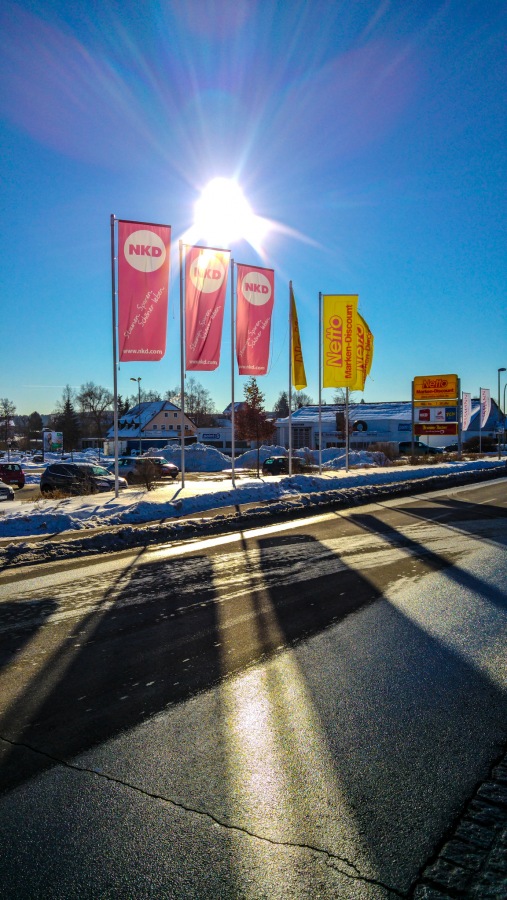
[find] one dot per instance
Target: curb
(20, 552)
(472, 861)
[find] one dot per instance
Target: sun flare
(223, 215)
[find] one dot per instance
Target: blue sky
(373, 133)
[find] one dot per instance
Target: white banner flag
(466, 407)
(485, 406)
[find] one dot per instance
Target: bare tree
(299, 399)
(198, 401)
(96, 402)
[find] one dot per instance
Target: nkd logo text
(207, 273)
(145, 251)
(256, 288)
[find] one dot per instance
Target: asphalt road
(297, 711)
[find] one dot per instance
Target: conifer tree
(251, 421)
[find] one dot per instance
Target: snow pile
(198, 458)
(248, 460)
(358, 458)
(170, 502)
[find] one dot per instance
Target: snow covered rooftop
(140, 416)
(399, 410)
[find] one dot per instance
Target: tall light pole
(139, 405)
(503, 369)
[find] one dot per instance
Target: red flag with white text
(466, 408)
(205, 291)
(256, 294)
(143, 288)
(485, 405)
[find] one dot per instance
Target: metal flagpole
(115, 353)
(290, 378)
(460, 413)
(347, 436)
(480, 420)
(233, 440)
(320, 383)
(182, 373)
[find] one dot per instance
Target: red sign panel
(434, 428)
(143, 286)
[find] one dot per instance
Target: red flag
(205, 288)
(143, 287)
(256, 294)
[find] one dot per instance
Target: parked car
(279, 465)
(37, 458)
(134, 468)
(78, 478)
(12, 473)
(451, 448)
(420, 449)
(6, 492)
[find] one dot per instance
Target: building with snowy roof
(152, 424)
(371, 423)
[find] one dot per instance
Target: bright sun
(223, 215)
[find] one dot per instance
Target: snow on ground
(137, 506)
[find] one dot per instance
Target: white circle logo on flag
(256, 288)
(144, 250)
(207, 273)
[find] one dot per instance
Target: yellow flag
(364, 353)
(369, 350)
(339, 337)
(298, 367)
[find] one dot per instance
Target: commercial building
(370, 423)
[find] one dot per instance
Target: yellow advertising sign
(435, 387)
(451, 402)
(339, 339)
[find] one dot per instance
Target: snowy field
(137, 506)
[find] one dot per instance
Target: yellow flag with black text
(364, 353)
(339, 339)
(298, 367)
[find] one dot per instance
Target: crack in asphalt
(331, 858)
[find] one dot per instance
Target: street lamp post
(503, 369)
(504, 389)
(139, 406)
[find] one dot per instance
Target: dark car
(6, 492)
(78, 478)
(135, 469)
(279, 465)
(420, 449)
(451, 448)
(12, 473)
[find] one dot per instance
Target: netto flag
(298, 367)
